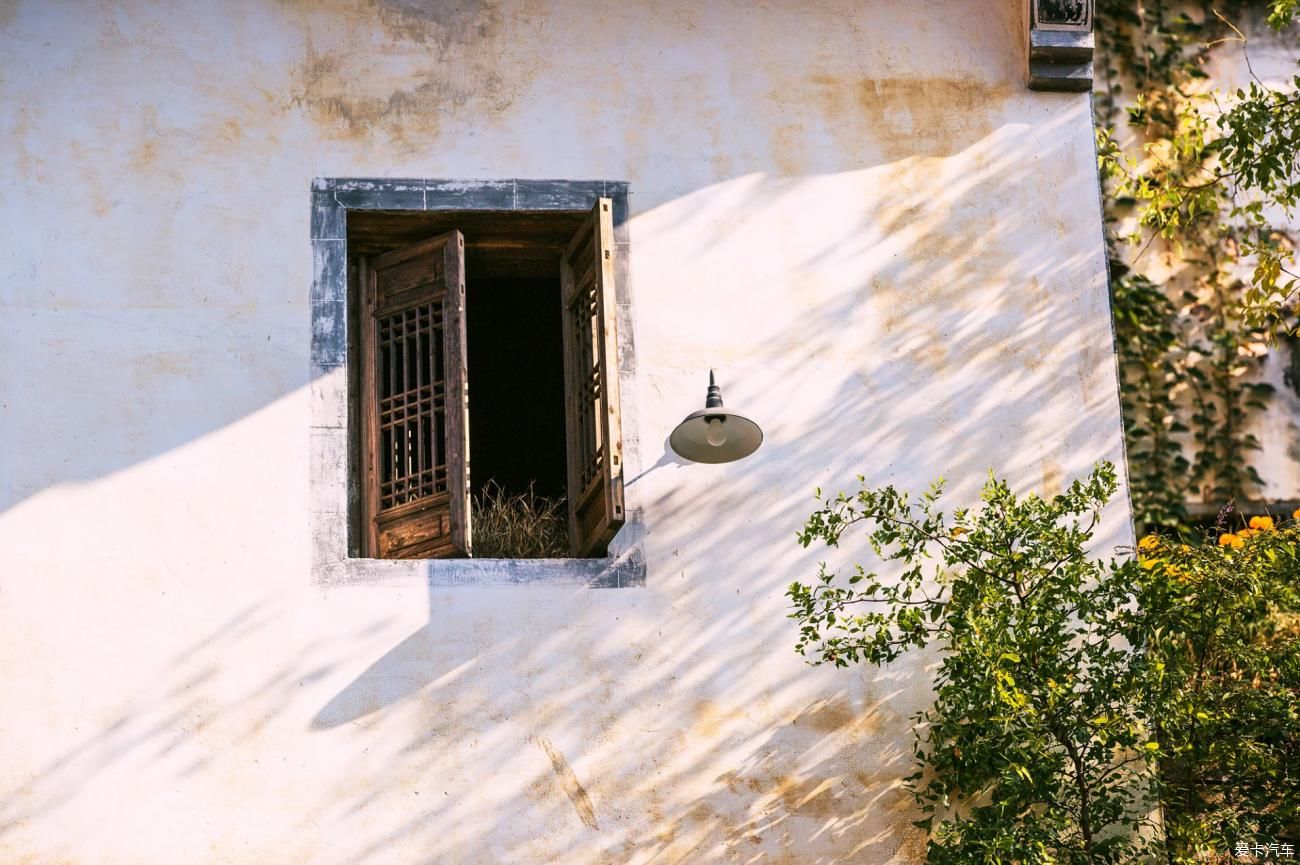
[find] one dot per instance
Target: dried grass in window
(519, 526)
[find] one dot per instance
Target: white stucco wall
(888, 248)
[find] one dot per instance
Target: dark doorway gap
(516, 384)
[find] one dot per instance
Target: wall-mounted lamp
(715, 434)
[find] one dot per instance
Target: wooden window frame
(334, 480)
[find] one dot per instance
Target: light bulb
(716, 436)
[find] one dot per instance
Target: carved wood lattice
(412, 405)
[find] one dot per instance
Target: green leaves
(1028, 627)
(1151, 361)
(1221, 624)
(1203, 281)
(1283, 13)
(1073, 692)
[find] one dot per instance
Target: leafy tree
(1073, 693)
(1035, 748)
(1220, 628)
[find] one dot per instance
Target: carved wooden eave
(1060, 44)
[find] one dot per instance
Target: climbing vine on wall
(1201, 282)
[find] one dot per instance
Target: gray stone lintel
(1061, 46)
(1067, 77)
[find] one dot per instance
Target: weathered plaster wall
(886, 246)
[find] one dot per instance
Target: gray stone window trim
(333, 492)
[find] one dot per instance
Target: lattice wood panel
(595, 447)
(412, 405)
(415, 417)
(584, 323)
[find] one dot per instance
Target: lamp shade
(715, 434)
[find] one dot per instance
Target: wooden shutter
(415, 419)
(592, 416)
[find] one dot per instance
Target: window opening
(488, 383)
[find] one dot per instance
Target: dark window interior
(516, 407)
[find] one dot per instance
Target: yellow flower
(1296, 515)
(1245, 533)
(1150, 542)
(958, 532)
(1183, 548)
(1262, 524)
(1150, 563)
(1231, 540)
